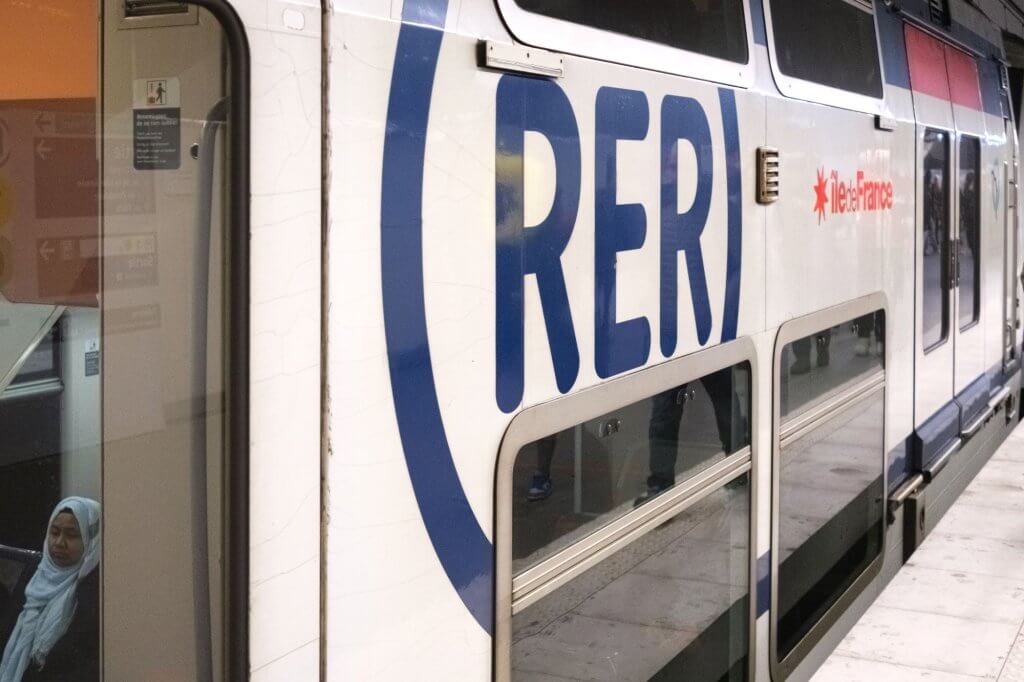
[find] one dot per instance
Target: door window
(969, 243)
(934, 239)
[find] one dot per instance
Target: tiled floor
(955, 612)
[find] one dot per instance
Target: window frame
(558, 569)
(798, 426)
(809, 91)
(567, 37)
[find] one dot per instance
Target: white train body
(426, 365)
(500, 339)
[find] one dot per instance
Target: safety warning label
(157, 135)
(156, 129)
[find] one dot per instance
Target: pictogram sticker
(156, 124)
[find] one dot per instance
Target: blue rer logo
(463, 549)
(541, 106)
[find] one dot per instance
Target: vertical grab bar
(200, 306)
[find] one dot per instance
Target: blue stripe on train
(764, 583)
(462, 547)
(734, 185)
(757, 21)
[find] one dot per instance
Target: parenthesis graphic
(461, 545)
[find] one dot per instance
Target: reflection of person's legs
(663, 438)
(824, 340)
(802, 351)
(540, 486)
(865, 330)
(725, 404)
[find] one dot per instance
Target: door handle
(953, 263)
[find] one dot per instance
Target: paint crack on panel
(1013, 668)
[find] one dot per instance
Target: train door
(934, 340)
(120, 347)
(966, 182)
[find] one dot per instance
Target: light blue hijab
(50, 595)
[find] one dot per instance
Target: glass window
(830, 477)
(968, 245)
(830, 362)
(673, 605)
(115, 346)
(717, 29)
(569, 484)
(831, 42)
(42, 363)
(935, 239)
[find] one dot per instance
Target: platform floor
(955, 611)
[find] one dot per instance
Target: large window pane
(569, 484)
(114, 303)
(716, 29)
(969, 254)
(935, 239)
(830, 491)
(831, 42)
(673, 605)
(50, 513)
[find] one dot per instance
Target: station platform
(955, 611)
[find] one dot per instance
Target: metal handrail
(207, 148)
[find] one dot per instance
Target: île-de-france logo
(834, 195)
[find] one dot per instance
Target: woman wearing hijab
(56, 637)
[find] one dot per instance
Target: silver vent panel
(767, 175)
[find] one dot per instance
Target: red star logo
(820, 195)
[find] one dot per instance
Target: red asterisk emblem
(820, 195)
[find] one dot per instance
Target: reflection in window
(43, 362)
(830, 489)
(831, 42)
(50, 621)
(670, 606)
(935, 240)
(571, 483)
(825, 364)
(968, 245)
(49, 323)
(717, 29)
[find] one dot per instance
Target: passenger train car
(495, 339)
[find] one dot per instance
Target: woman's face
(65, 540)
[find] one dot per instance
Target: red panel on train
(964, 84)
(927, 63)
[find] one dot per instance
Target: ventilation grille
(153, 8)
(767, 175)
(939, 11)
